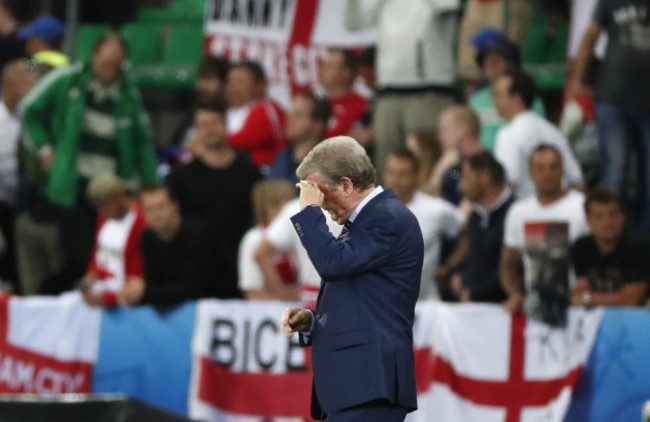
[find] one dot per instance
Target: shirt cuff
(311, 327)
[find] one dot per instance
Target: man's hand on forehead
(310, 194)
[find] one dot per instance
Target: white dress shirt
(376, 191)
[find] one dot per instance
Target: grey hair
(104, 187)
(338, 157)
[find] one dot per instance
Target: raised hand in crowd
(196, 146)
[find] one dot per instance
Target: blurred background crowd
(516, 131)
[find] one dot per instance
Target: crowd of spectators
(88, 200)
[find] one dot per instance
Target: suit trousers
(374, 411)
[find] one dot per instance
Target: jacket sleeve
(304, 340)
(146, 156)
(367, 248)
(93, 267)
(133, 261)
(38, 105)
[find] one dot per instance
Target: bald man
(17, 79)
(460, 129)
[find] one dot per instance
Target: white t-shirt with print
(524, 225)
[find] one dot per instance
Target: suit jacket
(362, 335)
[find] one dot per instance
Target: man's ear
(347, 186)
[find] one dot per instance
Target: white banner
(47, 344)
(287, 36)
(473, 362)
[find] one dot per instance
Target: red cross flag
(477, 362)
(48, 344)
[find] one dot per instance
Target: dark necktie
(346, 230)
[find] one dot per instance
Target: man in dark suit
(361, 329)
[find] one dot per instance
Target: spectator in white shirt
(513, 94)
(17, 80)
(539, 231)
(268, 197)
(415, 65)
(281, 236)
(438, 218)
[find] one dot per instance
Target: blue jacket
(362, 336)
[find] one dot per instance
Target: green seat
(160, 15)
(179, 11)
(144, 42)
(175, 78)
(87, 36)
(184, 45)
(534, 49)
(190, 10)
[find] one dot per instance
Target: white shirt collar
(376, 191)
(485, 213)
(4, 109)
(505, 194)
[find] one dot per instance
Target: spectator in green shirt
(495, 55)
(82, 121)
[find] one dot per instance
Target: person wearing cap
(43, 38)
(511, 16)
(496, 55)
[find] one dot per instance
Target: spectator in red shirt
(337, 75)
(255, 123)
(116, 257)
